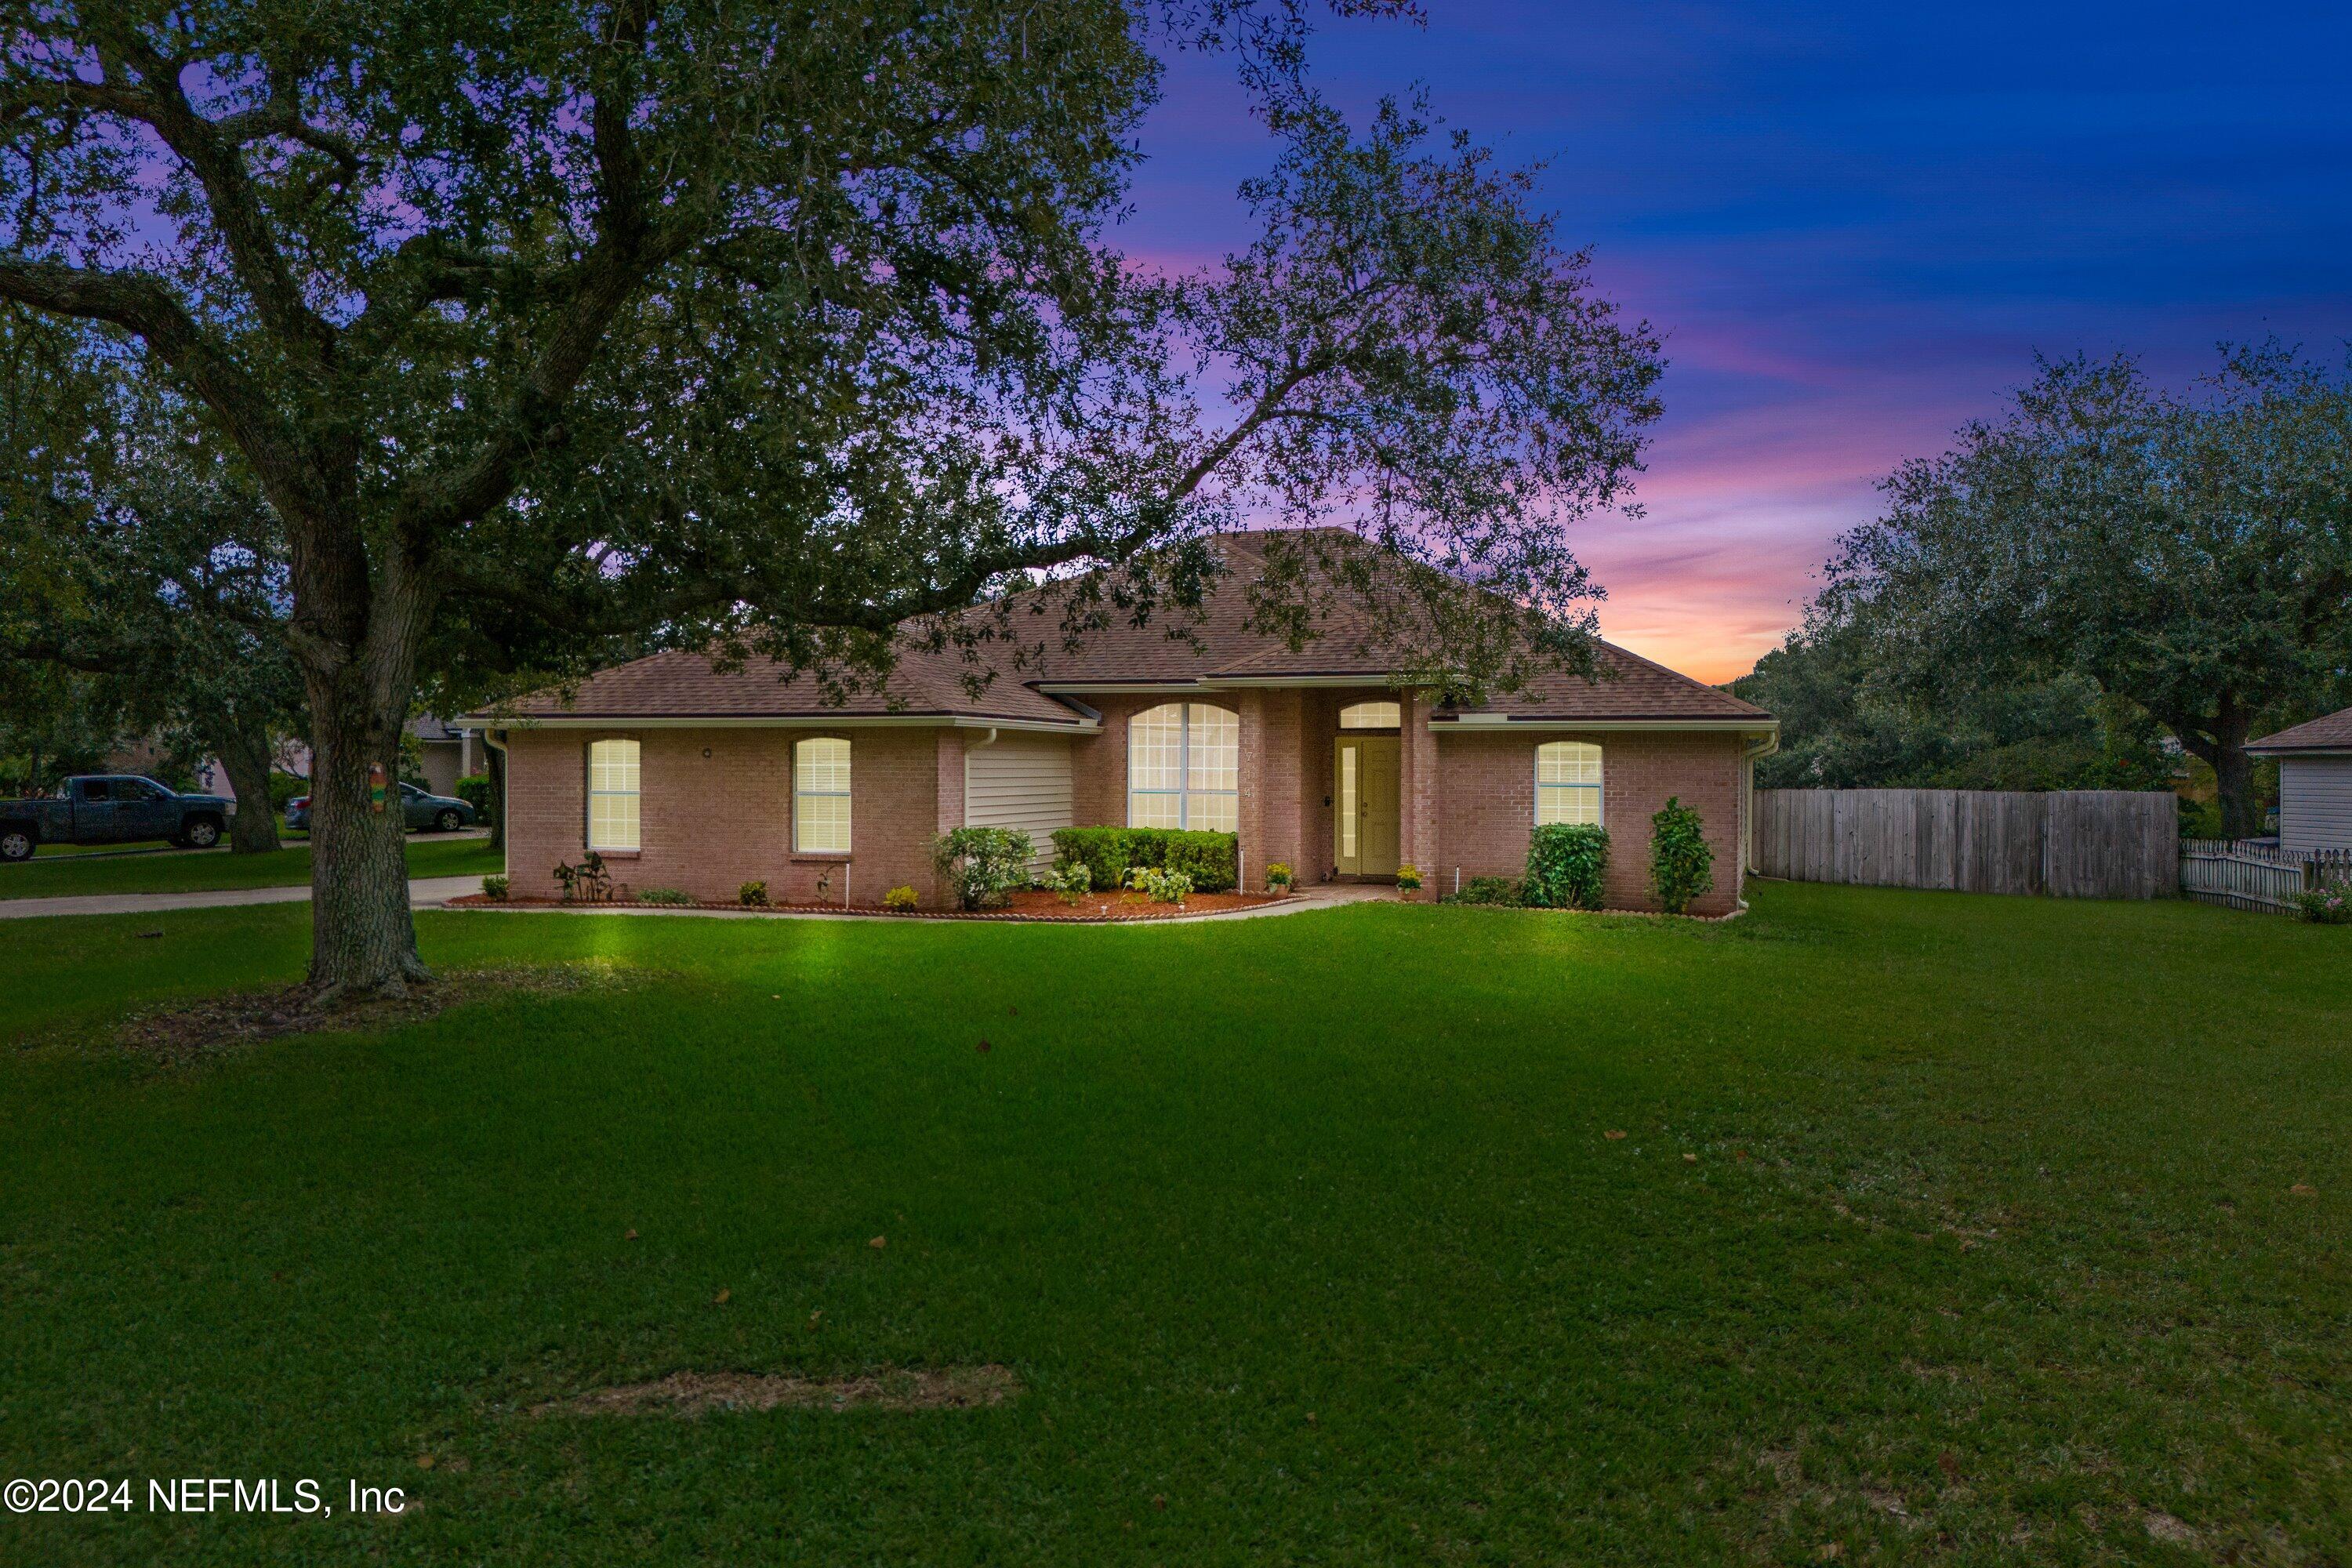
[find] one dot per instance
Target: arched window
(821, 796)
(1568, 783)
(1370, 716)
(613, 794)
(1183, 768)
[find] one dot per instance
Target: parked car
(418, 811)
(112, 808)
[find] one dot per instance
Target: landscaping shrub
(984, 863)
(901, 899)
(1566, 866)
(495, 888)
(284, 787)
(1111, 855)
(665, 896)
(1279, 878)
(1485, 890)
(1160, 887)
(474, 789)
(2325, 906)
(1681, 864)
(588, 882)
(1070, 880)
(753, 894)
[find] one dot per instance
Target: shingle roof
(1174, 649)
(2332, 733)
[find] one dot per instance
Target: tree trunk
(2220, 743)
(363, 939)
(2234, 773)
(495, 764)
(244, 752)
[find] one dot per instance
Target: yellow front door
(1364, 805)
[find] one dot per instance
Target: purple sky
(1855, 224)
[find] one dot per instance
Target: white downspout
(1749, 756)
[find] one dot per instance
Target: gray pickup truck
(112, 808)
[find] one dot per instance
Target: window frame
(1185, 790)
(1394, 721)
(593, 794)
(1599, 787)
(846, 794)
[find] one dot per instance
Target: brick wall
(709, 822)
(1487, 786)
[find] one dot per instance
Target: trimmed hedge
(474, 789)
(1565, 866)
(1211, 859)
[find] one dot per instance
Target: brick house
(691, 777)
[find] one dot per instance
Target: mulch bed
(1030, 904)
(193, 1030)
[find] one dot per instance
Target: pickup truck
(112, 808)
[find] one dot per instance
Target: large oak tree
(774, 326)
(2190, 554)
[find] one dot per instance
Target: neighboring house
(445, 752)
(2315, 783)
(700, 779)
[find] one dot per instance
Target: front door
(1364, 805)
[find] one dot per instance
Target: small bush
(1279, 878)
(1110, 855)
(1160, 886)
(901, 899)
(752, 895)
(1681, 864)
(284, 787)
(2325, 906)
(588, 882)
(1567, 863)
(984, 864)
(1070, 880)
(495, 888)
(1485, 890)
(665, 896)
(474, 789)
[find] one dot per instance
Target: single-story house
(691, 776)
(445, 752)
(2315, 783)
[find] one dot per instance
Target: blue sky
(1855, 224)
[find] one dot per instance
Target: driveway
(423, 892)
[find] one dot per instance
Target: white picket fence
(2256, 876)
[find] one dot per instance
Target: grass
(73, 875)
(1944, 1228)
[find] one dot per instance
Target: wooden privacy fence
(2068, 843)
(2257, 875)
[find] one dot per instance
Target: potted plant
(1279, 878)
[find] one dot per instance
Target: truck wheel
(15, 844)
(448, 822)
(201, 834)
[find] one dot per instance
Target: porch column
(1277, 786)
(1417, 790)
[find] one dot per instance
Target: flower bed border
(1003, 916)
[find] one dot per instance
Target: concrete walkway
(425, 892)
(1316, 898)
(432, 892)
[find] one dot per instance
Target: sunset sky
(1855, 224)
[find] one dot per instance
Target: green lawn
(1305, 1236)
(71, 875)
